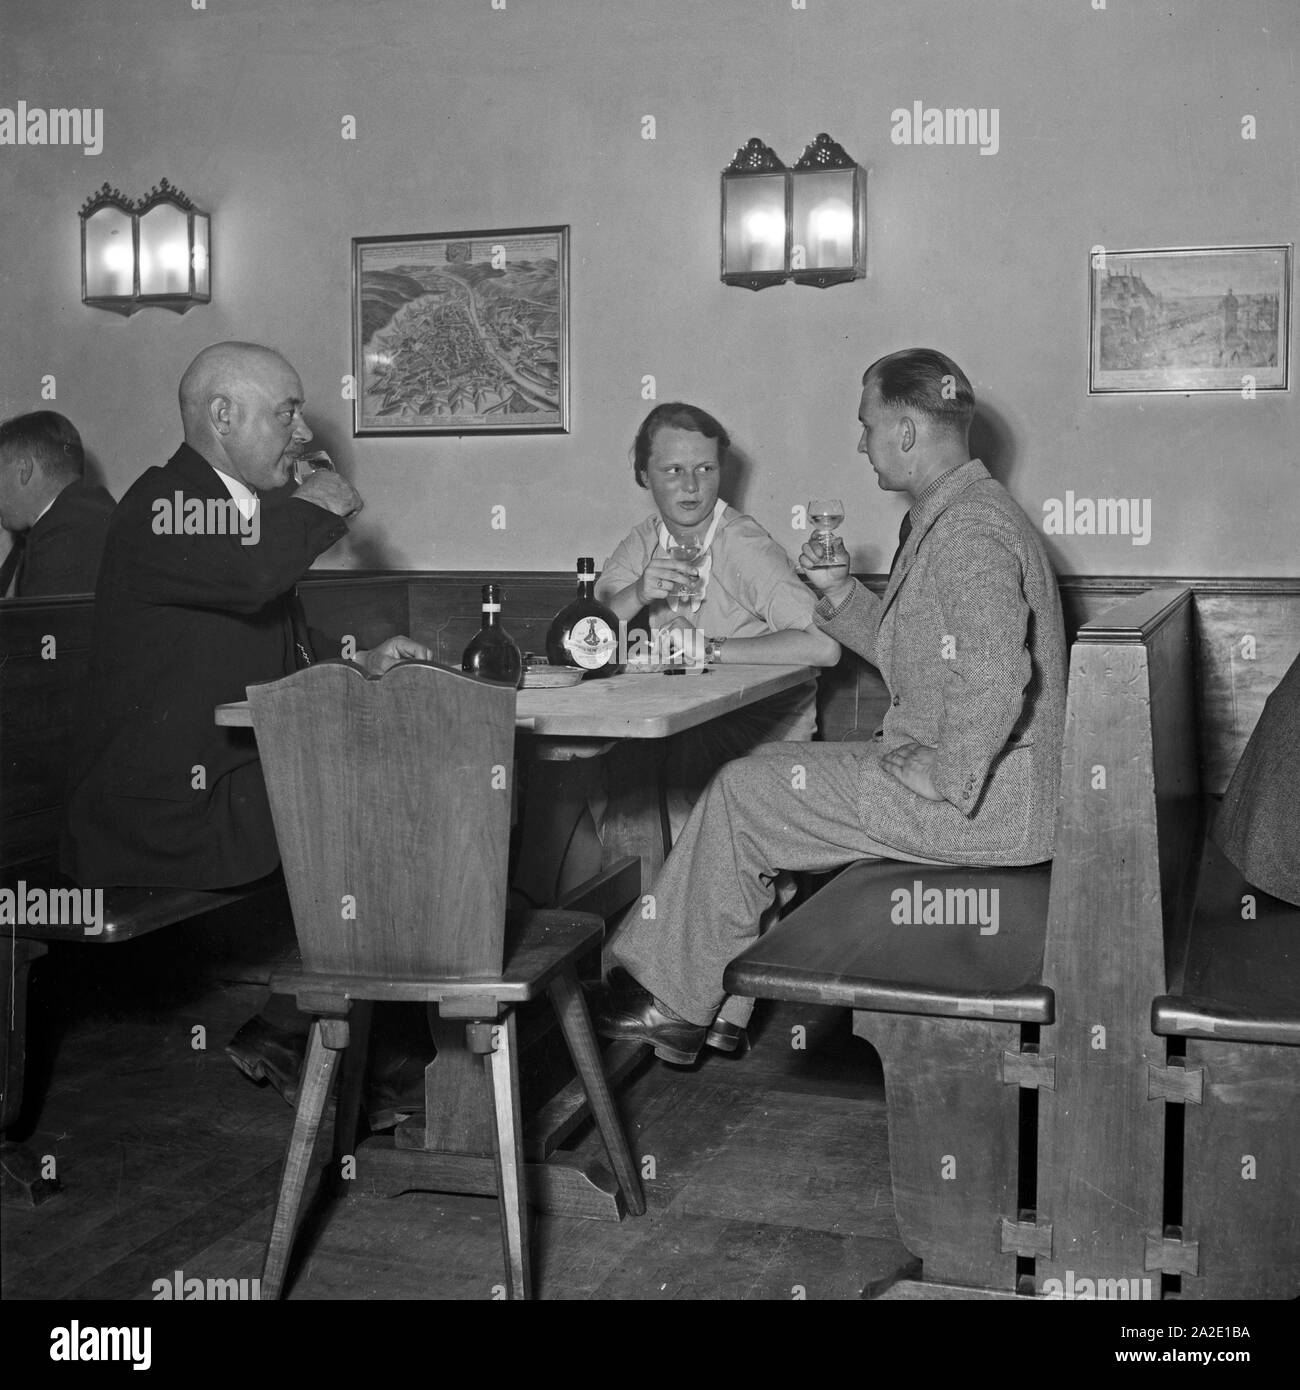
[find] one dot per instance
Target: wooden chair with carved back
(391, 800)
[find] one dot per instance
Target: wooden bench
(44, 652)
(1232, 1020)
(1168, 1139)
(1026, 1088)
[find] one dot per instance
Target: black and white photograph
(649, 652)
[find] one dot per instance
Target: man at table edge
(185, 618)
(969, 639)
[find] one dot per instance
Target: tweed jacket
(970, 642)
(159, 794)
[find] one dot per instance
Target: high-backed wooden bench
(989, 1045)
(1232, 1024)
(44, 651)
(1168, 1140)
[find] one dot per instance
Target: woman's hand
(680, 640)
(661, 577)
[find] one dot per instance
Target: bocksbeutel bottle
(584, 633)
(492, 654)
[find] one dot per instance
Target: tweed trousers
(795, 806)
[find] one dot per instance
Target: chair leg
(501, 1066)
(352, 1083)
(328, 1038)
(571, 1008)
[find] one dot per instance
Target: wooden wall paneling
(1233, 676)
(1246, 642)
(446, 609)
(369, 609)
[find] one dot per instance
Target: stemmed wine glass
(826, 513)
(689, 552)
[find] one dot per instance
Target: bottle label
(591, 643)
(491, 607)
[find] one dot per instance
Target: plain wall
(1119, 127)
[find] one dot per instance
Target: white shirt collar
(245, 497)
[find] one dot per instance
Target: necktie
(11, 570)
(303, 656)
(904, 531)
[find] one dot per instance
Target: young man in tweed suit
(965, 770)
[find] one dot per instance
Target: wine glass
(826, 513)
(688, 552)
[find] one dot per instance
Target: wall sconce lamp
(804, 224)
(152, 252)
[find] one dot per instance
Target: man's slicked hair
(927, 382)
(49, 438)
(674, 415)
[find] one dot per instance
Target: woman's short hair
(679, 416)
(925, 381)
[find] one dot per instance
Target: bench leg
(574, 1019)
(328, 1037)
(953, 1141)
(1241, 1175)
(21, 1183)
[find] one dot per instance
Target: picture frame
(461, 333)
(1189, 320)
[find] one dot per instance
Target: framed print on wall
(461, 333)
(1196, 319)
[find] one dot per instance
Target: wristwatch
(713, 650)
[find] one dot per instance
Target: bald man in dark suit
(186, 620)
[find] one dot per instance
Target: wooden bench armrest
(1136, 619)
(130, 912)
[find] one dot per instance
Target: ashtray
(541, 675)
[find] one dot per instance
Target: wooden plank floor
(769, 1172)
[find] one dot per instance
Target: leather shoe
(626, 1018)
(265, 1053)
(726, 1037)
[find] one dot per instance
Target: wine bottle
(584, 633)
(492, 654)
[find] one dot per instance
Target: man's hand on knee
(912, 764)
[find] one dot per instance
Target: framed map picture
(1202, 319)
(461, 333)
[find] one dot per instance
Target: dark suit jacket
(1258, 826)
(63, 548)
(159, 795)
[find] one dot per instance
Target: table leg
(559, 849)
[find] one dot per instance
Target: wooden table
(627, 706)
(563, 734)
